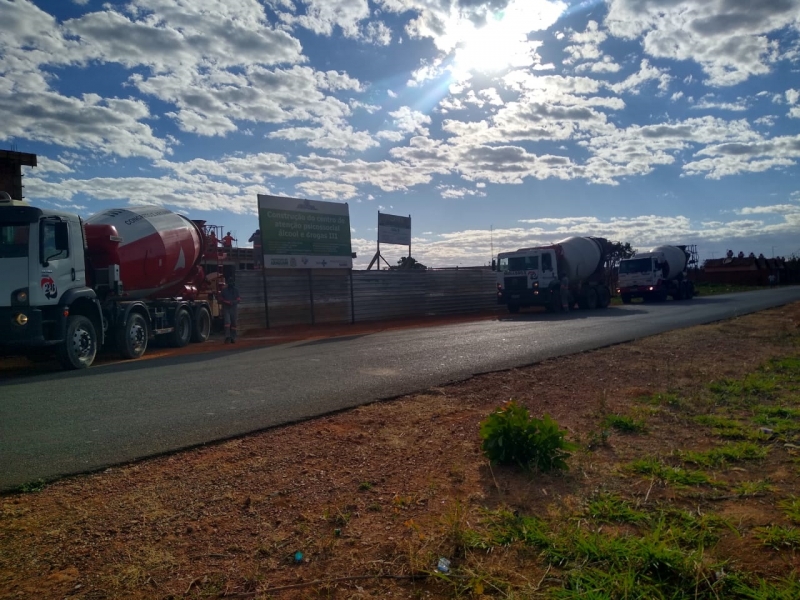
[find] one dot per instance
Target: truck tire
(591, 299)
(132, 337)
(603, 297)
(626, 298)
(689, 290)
(80, 345)
(201, 327)
(680, 291)
(182, 333)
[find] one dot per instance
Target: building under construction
(11, 164)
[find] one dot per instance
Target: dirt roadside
(371, 498)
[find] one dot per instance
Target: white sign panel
(394, 229)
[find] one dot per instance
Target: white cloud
(792, 96)
(633, 83)
(323, 16)
(729, 39)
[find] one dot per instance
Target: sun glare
(502, 42)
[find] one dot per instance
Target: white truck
(536, 276)
(657, 274)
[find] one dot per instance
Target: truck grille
(516, 283)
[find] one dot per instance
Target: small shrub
(511, 436)
(32, 487)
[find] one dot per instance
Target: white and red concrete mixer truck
(656, 274)
(536, 276)
(122, 277)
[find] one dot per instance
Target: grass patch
(729, 429)
(365, 486)
(624, 423)
(791, 508)
(669, 399)
(653, 467)
(722, 455)
(752, 388)
(32, 486)
(607, 508)
(753, 488)
(779, 537)
(714, 289)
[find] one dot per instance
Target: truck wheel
(183, 329)
(513, 308)
(132, 338)
(603, 297)
(689, 290)
(202, 325)
(626, 298)
(591, 299)
(680, 292)
(554, 306)
(80, 346)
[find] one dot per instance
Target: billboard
(393, 229)
(304, 234)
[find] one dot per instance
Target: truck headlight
(19, 297)
(21, 319)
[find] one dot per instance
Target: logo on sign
(49, 288)
(280, 262)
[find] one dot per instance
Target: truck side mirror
(494, 265)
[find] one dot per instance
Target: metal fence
(307, 297)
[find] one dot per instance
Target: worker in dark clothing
(257, 255)
(230, 308)
(228, 240)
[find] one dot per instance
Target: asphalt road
(70, 422)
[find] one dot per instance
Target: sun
(502, 42)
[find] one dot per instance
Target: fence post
(352, 301)
(311, 293)
(266, 296)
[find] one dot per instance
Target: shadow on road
(51, 370)
(572, 315)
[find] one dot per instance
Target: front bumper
(536, 297)
(29, 334)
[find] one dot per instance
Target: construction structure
(11, 164)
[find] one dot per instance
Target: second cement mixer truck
(571, 272)
(123, 276)
(656, 274)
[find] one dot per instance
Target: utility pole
(491, 238)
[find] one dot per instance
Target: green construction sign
(304, 234)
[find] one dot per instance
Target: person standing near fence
(257, 254)
(230, 308)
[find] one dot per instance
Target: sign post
(392, 229)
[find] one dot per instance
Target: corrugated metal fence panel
(289, 293)
(251, 309)
(377, 295)
(395, 294)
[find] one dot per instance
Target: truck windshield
(636, 265)
(14, 240)
(522, 263)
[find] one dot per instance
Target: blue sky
(493, 123)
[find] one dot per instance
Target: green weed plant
(510, 436)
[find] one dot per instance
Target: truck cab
(641, 272)
(43, 289)
(524, 277)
